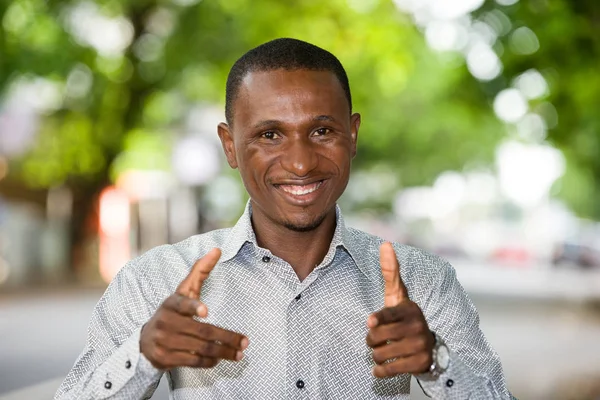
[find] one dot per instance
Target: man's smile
(301, 189)
(299, 193)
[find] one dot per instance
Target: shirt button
(298, 297)
(449, 383)
(300, 384)
(128, 364)
(266, 259)
(107, 384)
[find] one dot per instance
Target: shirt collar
(356, 243)
(241, 233)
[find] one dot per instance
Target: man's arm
(111, 363)
(474, 371)
(124, 360)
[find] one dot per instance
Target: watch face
(443, 357)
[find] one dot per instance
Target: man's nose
(299, 157)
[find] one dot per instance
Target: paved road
(545, 346)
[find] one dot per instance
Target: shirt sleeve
(475, 371)
(111, 364)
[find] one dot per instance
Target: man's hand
(172, 338)
(398, 334)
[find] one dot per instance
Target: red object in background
(114, 231)
(512, 255)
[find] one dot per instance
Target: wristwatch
(441, 358)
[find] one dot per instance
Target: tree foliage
(422, 111)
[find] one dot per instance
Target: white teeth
(301, 190)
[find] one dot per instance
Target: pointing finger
(192, 284)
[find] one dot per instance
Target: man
(289, 303)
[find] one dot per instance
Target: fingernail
(371, 321)
(244, 343)
(239, 355)
(202, 311)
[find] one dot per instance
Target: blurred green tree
(568, 57)
(127, 69)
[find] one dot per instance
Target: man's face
(293, 140)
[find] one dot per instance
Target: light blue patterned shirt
(307, 339)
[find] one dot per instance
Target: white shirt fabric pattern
(307, 339)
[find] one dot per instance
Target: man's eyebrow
(327, 118)
(265, 123)
(274, 122)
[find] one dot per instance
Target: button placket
(300, 352)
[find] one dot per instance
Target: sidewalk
(538, 282)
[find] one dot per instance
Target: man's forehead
(276, 87)
(261, 79)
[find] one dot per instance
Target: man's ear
(354, 126)
(226, 137)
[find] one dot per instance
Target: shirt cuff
(455, 383)
(126, 366)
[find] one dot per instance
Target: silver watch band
(435, 370)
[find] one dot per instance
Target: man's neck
(302, 250)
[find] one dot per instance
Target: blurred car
(575, 254)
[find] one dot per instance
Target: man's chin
(304, 226)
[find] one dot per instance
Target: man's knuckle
(206, 349)
(395, 332)
(203, 330)
(171, 302)
(160, 336)
(159, 353)
(207, 362)
(182, 305)
(162, 322)
(420, 326)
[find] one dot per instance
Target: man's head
(290, 132)
(285, 53)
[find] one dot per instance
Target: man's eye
(270, 135)
(322, 131)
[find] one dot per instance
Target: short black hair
(283, 53)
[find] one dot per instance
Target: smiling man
(289, 303)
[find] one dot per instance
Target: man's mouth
(300, 190)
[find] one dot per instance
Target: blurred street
(548, 347)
